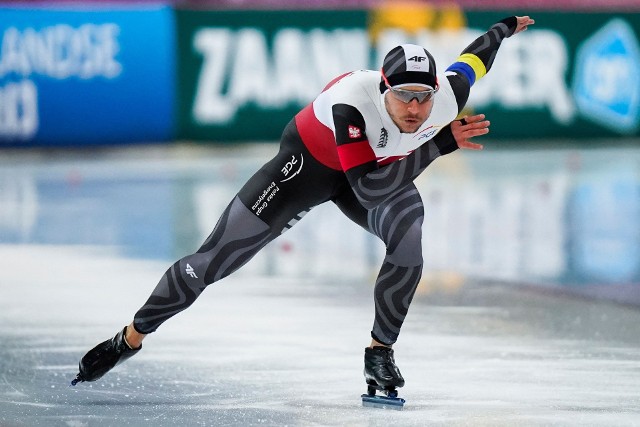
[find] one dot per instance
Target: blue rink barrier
(72, 76)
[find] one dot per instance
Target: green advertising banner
(244, 74)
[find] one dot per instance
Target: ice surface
(84, 241)
(261, 351)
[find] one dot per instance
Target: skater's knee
(406, 250)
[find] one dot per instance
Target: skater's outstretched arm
(372, 184)
(476, 60)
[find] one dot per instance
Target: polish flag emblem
(354, 132)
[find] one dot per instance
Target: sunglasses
(407, 96)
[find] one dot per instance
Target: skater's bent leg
(399, 224)
(267, 205)
(237, 237)
(393, 293)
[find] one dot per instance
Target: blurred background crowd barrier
(77, 74)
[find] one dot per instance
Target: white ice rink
(83, 241)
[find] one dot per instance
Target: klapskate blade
(383, 402)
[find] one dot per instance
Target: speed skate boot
(103, 357)
(382, 374)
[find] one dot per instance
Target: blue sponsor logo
(607, 77)
(427, 135)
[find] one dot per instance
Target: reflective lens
(407, 96)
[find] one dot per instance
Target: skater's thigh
(390, 220)
(349, 205)
(289, 185)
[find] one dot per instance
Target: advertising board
(86, 76)
(261, 67)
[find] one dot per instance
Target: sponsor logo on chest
(384, 138)
(426, 134)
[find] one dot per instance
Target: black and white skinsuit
(343, 148)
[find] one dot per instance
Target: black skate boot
(103, 357)
(382, 374)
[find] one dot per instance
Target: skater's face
(408, 116)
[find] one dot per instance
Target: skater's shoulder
(356, 87)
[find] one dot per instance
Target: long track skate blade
(76, 380)
(383, 402)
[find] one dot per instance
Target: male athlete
(360, 144)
